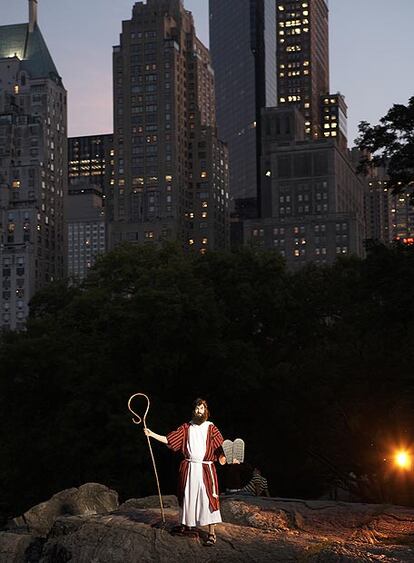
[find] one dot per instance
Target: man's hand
(158, 437)
(222, 459)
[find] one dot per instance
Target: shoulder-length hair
(199, 402)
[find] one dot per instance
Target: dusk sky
(371, 56)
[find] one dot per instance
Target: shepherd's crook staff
(138, 420)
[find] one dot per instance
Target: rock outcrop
(91, 498)
(254, 529)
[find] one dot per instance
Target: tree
(308, 367)
(390, 144)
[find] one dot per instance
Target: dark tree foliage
(390, 144)
(313, 369)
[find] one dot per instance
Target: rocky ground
(87, 525)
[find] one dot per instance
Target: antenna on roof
(32, 14)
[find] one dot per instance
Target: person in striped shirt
(257, 485)
(200, 443)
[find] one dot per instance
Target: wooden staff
(136, 419)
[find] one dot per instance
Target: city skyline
(368, 70)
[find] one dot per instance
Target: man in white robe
(200, 443)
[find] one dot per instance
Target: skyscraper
(33, 168)
(171, 170)
(243, 50)
(311, 201)
(303, 57)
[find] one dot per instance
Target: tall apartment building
(379, 203)
(33, 168)
(171, 171)
(312, 200)
(243, 50)
(303, 58)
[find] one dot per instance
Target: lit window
(16, 184)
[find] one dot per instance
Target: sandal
(211, 540)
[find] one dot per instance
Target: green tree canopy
(313, 369)
(390, 144)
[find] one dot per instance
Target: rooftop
(30, 48)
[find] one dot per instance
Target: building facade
(33, 168)
(303, 58)
(402, 214)
(312, 200)
(86, 228)
(91, 161)
(243, 50)
(90, 186)
(166, 187)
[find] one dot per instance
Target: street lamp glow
(403, 459)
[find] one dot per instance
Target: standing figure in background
(200, 443)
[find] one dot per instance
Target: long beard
(199, 418)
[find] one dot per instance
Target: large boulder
(168, 501)
(91, 498)
(253, 529)
(16, 547)
(261, 534)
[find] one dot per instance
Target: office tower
(170, 167)
(303, 57)
(86, 229)
(243, 50)
(312, 200)
(91, 161)
(33, 168)
(90, 183)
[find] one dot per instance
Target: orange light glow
(403, 460)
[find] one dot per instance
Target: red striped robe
(177, 442)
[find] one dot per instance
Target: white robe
(196, 507)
